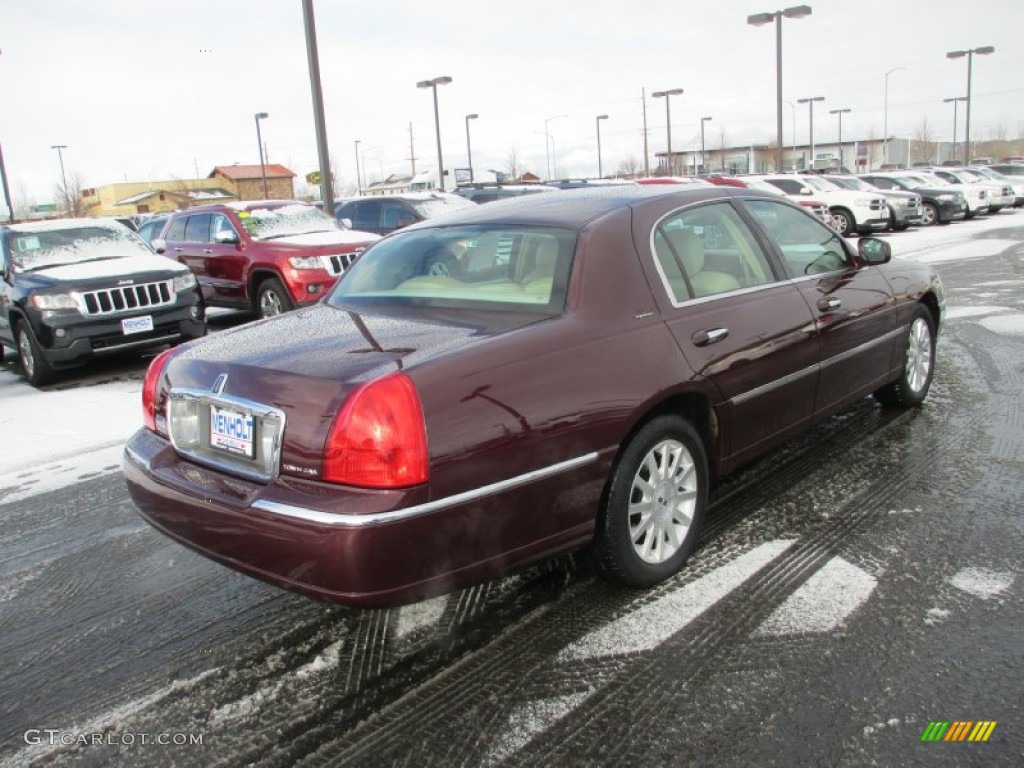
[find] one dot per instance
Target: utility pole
(647, 159)
(412, 150)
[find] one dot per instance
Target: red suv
(266, 255)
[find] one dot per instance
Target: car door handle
(829, 303)
(207, 250)
(178, 250)
(709, 336)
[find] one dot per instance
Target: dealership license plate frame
(232, 443)
(138, 324)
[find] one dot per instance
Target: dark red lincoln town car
(485, 390)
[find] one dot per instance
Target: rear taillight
(149, 388)
(379, 438)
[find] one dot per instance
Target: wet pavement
(848, 590)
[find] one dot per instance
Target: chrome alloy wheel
(919, 355)
(928, 216)
(28, 360)
(662, 501)
(270, 304)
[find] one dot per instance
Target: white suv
(976, 194)
(852, 212)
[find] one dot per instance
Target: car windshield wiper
(69, 263)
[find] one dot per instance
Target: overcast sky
(157, 90)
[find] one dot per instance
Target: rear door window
(198, 228)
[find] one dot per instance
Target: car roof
(574, 208)
(44, 225)
(240, 205)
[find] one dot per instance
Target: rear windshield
(52, 247)
(483, 266)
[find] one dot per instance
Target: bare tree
(69, 199)
(722, 140)
(922, 146)
(23, 202)
(512, 162)
(629, 167)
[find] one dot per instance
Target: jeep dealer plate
(231, 431)
(137, 324)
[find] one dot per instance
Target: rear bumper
(358, 547)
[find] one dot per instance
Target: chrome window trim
(381, 518)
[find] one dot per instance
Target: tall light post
(840, 113)
(63, 178)
(885, 117)
(668, 124)
(702, 121)
(432, 84)
(983, 51)
(547, 142)
(955, 100)
(792, 117)
(600, 169)
(259, 140)
(759, 19)
(359, 178)
(469, 149)
(809, 101)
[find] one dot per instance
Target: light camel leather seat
(690, 248)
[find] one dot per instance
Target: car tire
(33, 365)
(654, 504)
(911, 388)
(272, 299)
(843, 222)
(929, 214)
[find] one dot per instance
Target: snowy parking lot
(848, 590)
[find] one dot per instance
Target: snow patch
(50, 474)
(247, 705)
(935, 616)
(422, 614)
(322, 663)
(123, 266)
(982, 582)
(1005, 325)
(823, 602)
(952, 313)
(654, 623)
(971, 249)
(530, 719)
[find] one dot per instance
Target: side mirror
(226, 238)
(159, 245)
(874, 251)
(345, 223)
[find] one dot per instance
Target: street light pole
(432, 84)
(359, 178)
(885, 118)
(955, 100)
(840, 113)
(809, 101)
(547, 142)
(702, 121)
(600, 169)
(668, 125)
(469, 149)
(63, 178)
(259, 140)
(757, 20)
(983, 51)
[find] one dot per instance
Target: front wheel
(911, 388)
(273, 299)
(37, 371)
(929, 214)
(654, 504)
(843, 222)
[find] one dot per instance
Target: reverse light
(149, 389)
(379, 438)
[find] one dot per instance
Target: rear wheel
(273, 299)
(34, 366)
(911, 388)
(929, 214)
(843, 222)
(654, 505)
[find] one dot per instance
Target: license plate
(137, 324)
(231, 431)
